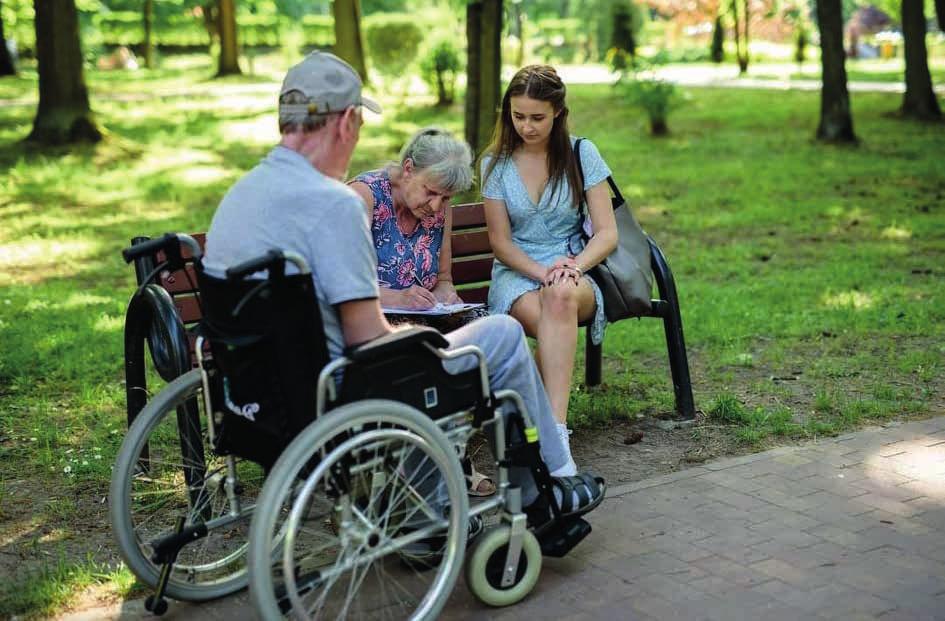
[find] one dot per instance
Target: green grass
(810, 275)
(53, 586)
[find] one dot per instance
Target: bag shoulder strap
(577, 156)
(618, 197)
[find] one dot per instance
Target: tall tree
(148, 28)
(741, 47)
(349, 42)
(919, 101)
(229, 49)
(483, 66)
(63, 115)
(6, 61)
(836, 123)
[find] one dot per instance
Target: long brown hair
(540, 82)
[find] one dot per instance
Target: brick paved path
(846, 528)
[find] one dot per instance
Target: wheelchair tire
(346, 501)
(166, 444)
(486, 561)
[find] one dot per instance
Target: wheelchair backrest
(268, 347)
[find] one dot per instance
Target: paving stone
(735, 573)
(885, 503)
(802, 578)
(777, 535)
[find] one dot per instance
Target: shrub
(439, 67)
(318, 30)
(393, 41)
(559, 39)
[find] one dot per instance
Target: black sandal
(589, 488)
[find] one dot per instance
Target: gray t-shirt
(284, 203)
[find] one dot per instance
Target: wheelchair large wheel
(166, 469)
(365, 515)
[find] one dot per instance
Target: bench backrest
(472, 264)
(472, 254)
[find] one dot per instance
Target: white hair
(437, 153)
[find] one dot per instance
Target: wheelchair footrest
(561, 538)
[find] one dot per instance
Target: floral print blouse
(402, 259)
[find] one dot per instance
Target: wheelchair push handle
(170, 243)
(273, 261)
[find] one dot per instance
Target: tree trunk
(229, 49)
(6, 61)
(484, 61)
(919, 101)
(836, 124)
(717, 49)
(743, 62)
(658, 127)
(940, 14)
(737, 31)
(349, 43)
(148, 43)
(63, 115)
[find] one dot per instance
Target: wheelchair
(332, 489)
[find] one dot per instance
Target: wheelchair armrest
(396, 342)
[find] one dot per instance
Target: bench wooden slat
(188, 308)
(468, 215)
(476, 270)
(465, 244)
(475, 294)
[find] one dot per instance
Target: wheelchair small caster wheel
(156, 607)
(486, 561)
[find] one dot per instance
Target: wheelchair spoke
(353, 563)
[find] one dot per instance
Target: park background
(807, 240)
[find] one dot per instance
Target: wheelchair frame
(456, 428)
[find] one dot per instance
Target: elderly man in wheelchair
(342, 496)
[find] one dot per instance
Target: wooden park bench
(167, 304)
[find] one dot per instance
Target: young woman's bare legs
(551, 315)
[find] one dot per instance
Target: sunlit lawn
(810, 276)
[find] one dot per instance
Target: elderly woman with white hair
(411, 224)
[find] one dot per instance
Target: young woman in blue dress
(532, 190)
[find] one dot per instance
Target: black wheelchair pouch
(268, 347)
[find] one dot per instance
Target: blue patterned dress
(545, 232)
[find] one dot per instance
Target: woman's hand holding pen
(414, 297)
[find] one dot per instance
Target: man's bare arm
(362, 321)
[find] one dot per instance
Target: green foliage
(439, 68)
(318, 30)
(127, 28)
(655, 96)
(617, 21)
(559, 39)
(393, 41)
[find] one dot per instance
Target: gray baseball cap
(329, 83)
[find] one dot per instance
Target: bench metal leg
(593, 355)
(668, 309)
(678, 362)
